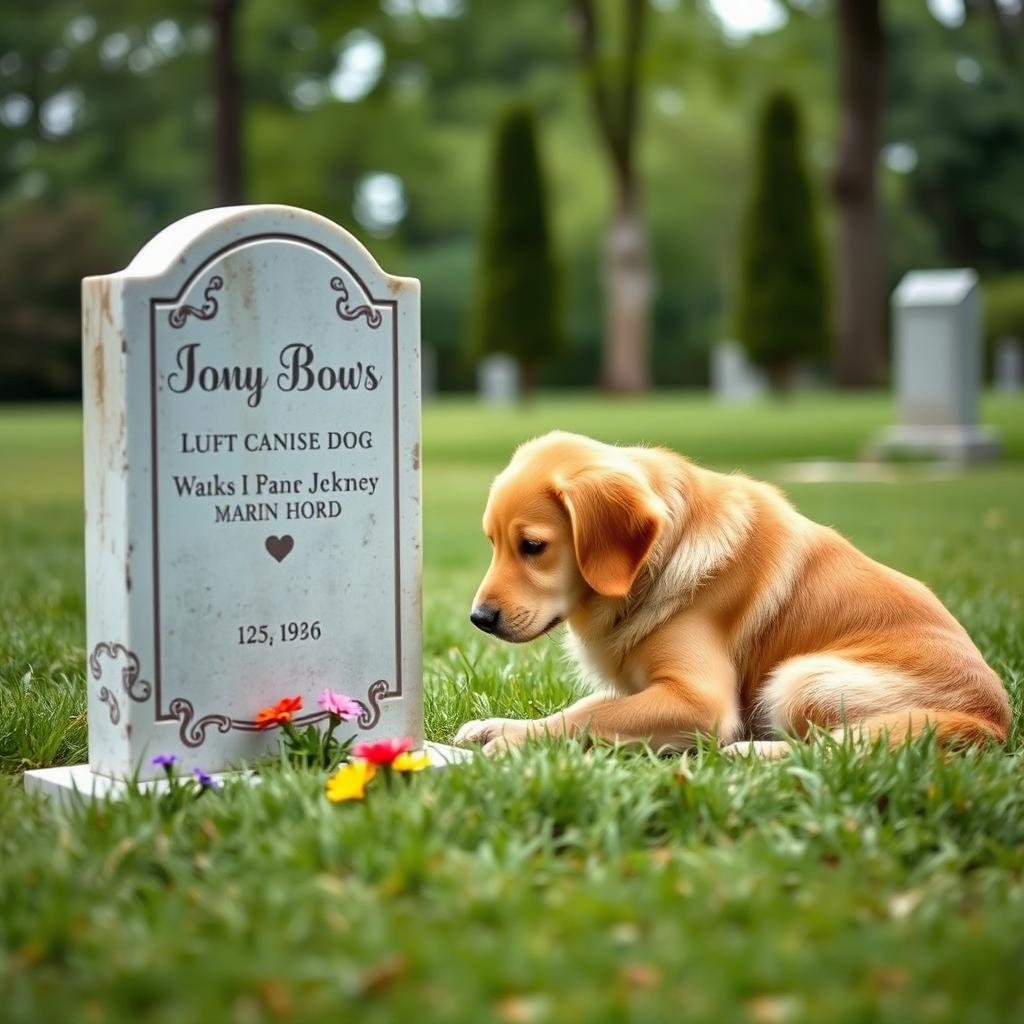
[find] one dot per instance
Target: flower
(349, 781)
(338, 704)
(164, 761)
(281, 712)
(411, 762)
(205, 781)
(383, 752)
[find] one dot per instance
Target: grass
(556, 886)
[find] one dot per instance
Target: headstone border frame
(179, 709)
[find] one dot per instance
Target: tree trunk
(628, 287)
(861, 327)
(628, 274)
(228, 172)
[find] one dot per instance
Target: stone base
(64, 783)
(954, 444)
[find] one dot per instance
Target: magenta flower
(338, 704)
(164, 761)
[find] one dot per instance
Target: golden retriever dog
(704, 603)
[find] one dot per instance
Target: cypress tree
(782, 314)
(517, 308)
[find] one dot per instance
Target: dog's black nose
(486, 617)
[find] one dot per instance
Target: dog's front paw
(494, 734)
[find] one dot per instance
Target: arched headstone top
(213, 231)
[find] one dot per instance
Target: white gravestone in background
(937, 321)
(252, 458)
(733, 377)
(1009, 366)
(497, 380)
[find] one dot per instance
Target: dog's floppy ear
(616, 519)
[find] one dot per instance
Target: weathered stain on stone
(416, 455)
(245, 284)
(99, 375)
(104, 290)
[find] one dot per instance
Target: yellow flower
(349, 782)
(411, 762)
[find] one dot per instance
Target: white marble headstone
(497, 379)
(733, 377)
(1009, 366)
(252, 460)
(937, 331)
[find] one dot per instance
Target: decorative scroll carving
(192, 731)
(347, 312)
(194, 734)
(371, 709)
(207, 311)
(136, 688)
(110, 700)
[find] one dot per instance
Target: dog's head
(567, 518)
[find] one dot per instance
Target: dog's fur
(698, 602)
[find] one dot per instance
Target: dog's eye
(531, 547)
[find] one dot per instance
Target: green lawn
(556, 885)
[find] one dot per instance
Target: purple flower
(164, 761)
(205, 780)
(338, 704)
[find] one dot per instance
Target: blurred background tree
(861, 294)
(783, 315)
(612, 83)
(378, 115)
(517, 301)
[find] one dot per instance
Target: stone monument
(1009, 366)
(733, 377)
(937, 332)
(252, 485)
(497, 379)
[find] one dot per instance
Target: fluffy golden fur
(698, 602)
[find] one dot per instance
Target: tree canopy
(378, 115)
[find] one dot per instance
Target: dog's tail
(952, 728)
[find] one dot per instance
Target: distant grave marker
(733, 377)
(252, 461)
(497, 379)
(937, 321)
(1009, 366)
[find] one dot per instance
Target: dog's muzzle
(486, 617)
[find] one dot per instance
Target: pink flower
(382, 752)
(338, 704)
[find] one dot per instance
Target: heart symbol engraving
(280, 547)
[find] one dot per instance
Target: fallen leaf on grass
(903, 904)
(276, 997)
(772, 1009)
(522, 1009)
(381, 976)
(641, 975)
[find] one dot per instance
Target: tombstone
(937, 327)
(252, 485)
(1009, 366)
(733, 377)
(497, 379)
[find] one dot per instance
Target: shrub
(782, 314)
(46, 248)
(517, 303)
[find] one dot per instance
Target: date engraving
(284, 632)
